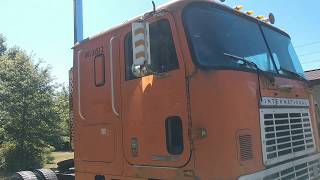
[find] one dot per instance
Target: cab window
(162, 49)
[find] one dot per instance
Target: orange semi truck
(192, 90)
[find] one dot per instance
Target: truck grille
(286, 133)
(306, 168)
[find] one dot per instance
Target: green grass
(4, 176)
(56, 157)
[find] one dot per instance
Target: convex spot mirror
(141, 65)
(272, 19)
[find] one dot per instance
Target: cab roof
(174, 6)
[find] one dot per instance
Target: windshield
(283, 52)
(214, 32)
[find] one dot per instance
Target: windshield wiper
(250, 63)
(244, 60)
(293, 74)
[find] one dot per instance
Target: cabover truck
(193, 90)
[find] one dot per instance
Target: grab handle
(79, 85)
(112, 78)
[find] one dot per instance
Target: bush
(21, 157)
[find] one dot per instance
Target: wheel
(24, 175)
(45, 174)
(64, 166)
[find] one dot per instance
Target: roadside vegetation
(33, 112)
(57, 157)
(50, 164)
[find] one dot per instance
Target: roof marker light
(250, 13)
(260, 17)
(238, 8)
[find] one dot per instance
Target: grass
(56, 157)
(4, 176)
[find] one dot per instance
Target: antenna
(154, 6)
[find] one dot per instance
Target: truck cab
(192, 90)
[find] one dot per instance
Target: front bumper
(305, 168)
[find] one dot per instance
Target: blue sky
(45, 27)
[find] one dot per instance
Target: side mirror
(141, 49)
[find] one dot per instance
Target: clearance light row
(270, 20)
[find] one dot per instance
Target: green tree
(3, 46)
(28, 116)
(62, 108)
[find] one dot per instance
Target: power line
(308, 54)
(308, 44)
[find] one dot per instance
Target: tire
(45, 174)
(64, 166)
(24, 175)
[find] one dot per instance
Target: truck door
(154, 107)
(96, 123)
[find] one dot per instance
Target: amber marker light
(260, 17)
(238, 8)
(250, 13)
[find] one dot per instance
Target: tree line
(34, 111)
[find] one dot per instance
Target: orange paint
(223, 102)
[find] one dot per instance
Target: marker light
(260, 17)
(238, 8)
(250, 13)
